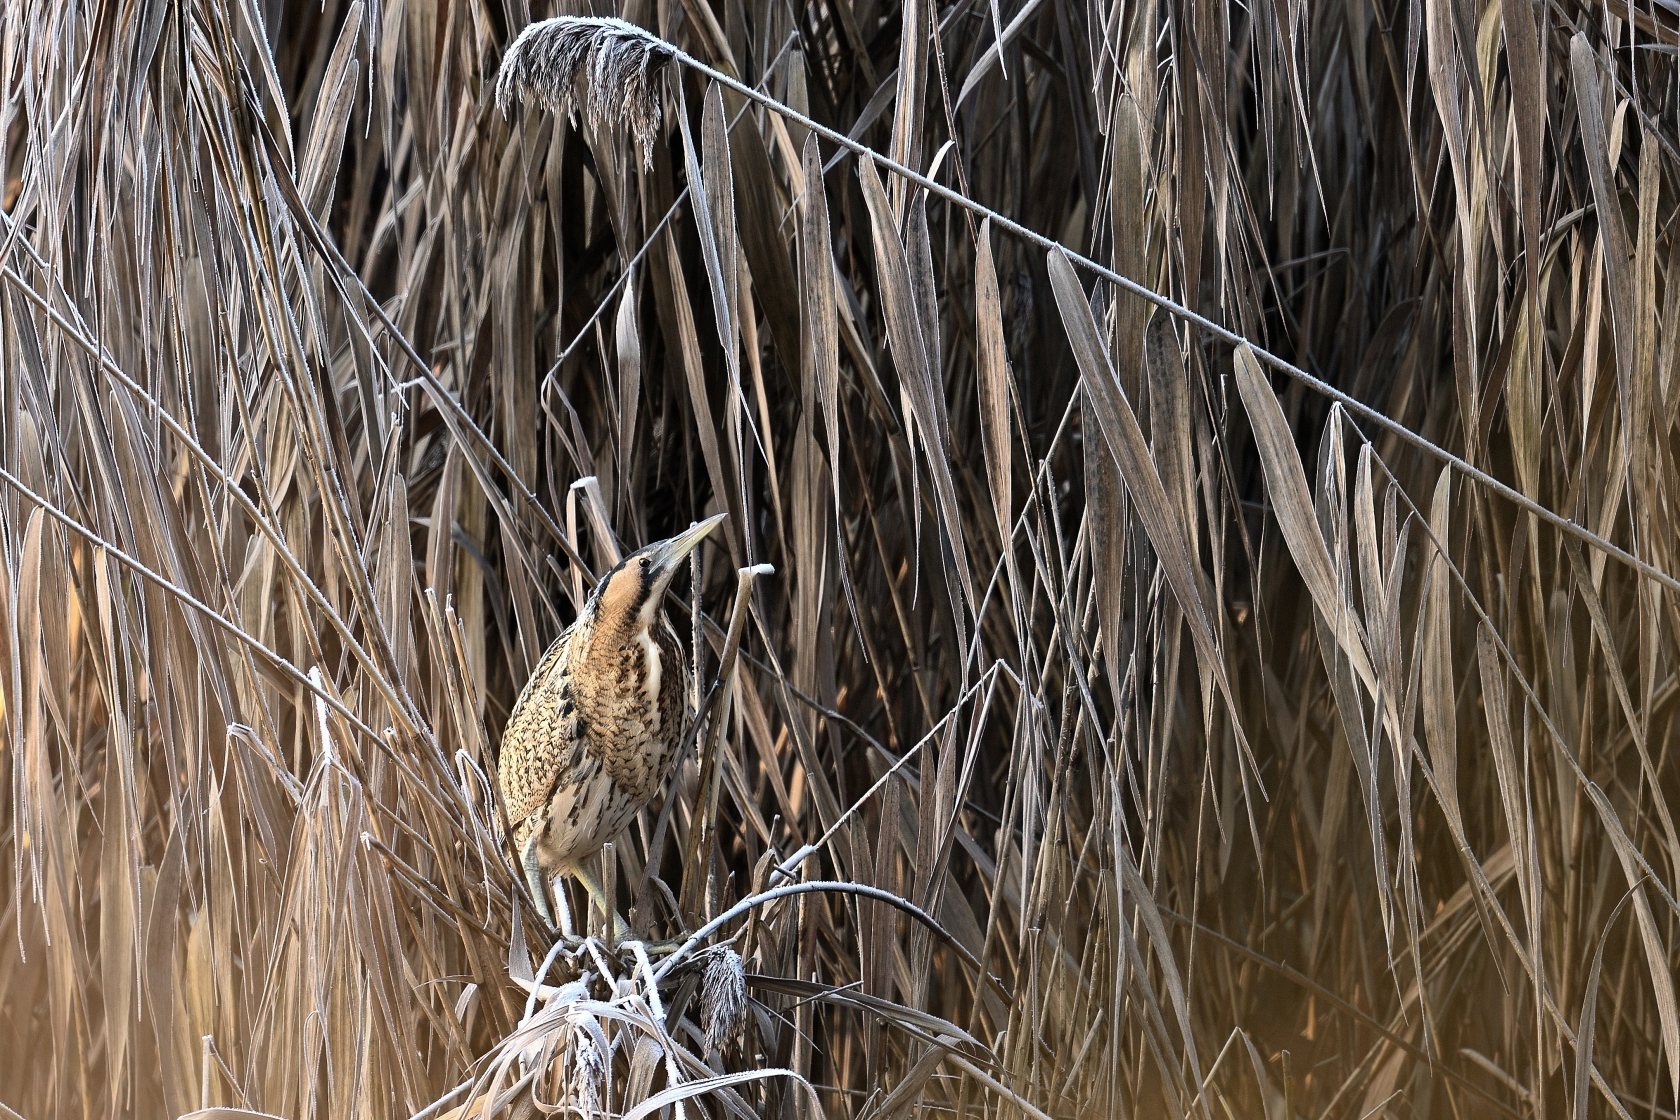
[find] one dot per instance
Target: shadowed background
(1271, 764)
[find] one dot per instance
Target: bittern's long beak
(666, 555)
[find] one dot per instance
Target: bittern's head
(628, 597)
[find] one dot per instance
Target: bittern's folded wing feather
(539, 746)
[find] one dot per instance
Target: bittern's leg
(537, 881)
(620, 928)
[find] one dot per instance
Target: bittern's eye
(647, 562)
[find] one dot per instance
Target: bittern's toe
(663, 947)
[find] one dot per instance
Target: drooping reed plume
(618, 65)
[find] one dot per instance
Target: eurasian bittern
(596, 732)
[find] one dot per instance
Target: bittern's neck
(610, 636)
(631, 647)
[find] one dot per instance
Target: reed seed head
(723, 997)
(617, 62)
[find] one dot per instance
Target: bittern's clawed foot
(575, 943)
(621, 931)
(664, 947)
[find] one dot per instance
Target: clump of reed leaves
(1245, 689)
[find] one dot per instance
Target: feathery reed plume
(619, 62)
(723, 997)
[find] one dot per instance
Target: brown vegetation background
(1268, 760)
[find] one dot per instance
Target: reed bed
(1196, 632)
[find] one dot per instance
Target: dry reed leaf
(689, 347)
(1510, 776)
(1438, 684)
(820, 335)
(1618, 253)
(919, 253)
(1362, 739)
(1528, 101)
(715, 218)
(325, 145)
(1286, 485)
(1107, 508)
(1382, 620)
(1446, 79)
(1586, 1027)
(23, 655)
(242, 361)
(1643, 311)
(1656, 959)
(993, 391)
(917, 23)
(762, 208)
(628, 345)
(913, 354)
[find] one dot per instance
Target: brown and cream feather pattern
(596, 731)
(592, 746)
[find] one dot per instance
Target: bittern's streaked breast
(596, 732)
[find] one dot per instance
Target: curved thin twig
(832, 887)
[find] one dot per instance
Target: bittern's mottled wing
(543, 742)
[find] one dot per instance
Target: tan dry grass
(325, 387)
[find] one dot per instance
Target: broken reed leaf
(618, 62)
(993, 52)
